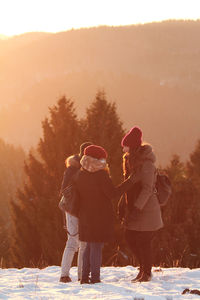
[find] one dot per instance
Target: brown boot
(145, 277)
(65, 279)
(137, 277)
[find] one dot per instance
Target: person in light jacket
(96, 191)
(143, 213)
(73, 244)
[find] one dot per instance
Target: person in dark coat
(96, 191)
(143, 213)
(73, 244)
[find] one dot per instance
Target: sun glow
(19, 16)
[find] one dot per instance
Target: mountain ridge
(151, 71)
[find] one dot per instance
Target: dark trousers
(140, 245)
(92, 258)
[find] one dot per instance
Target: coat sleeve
(66, 178)
(111, 191)
(147, 181)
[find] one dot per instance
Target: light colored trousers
(72, 245)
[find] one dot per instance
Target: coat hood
(73, 161)
(146, 153)
(132, 162)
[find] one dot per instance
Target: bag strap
(155, 179)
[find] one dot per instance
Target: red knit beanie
(95, 151)
(133, 138)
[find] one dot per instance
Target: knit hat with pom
(133, 138)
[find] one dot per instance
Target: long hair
(133, 159)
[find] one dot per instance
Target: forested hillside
(151, 71)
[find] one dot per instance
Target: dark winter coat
(96, 192)
(144, 213)
(73, 165)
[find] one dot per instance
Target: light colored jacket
(148, 216)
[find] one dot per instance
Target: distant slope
(151, 71)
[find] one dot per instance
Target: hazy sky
(18, 16)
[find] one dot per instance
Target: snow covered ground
(116, 284)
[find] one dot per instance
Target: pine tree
(103, 127)
(193, 174)
(174, 245)
(11, 177)
(193, 166)
(37, 222)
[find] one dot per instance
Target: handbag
(163, 188)
(70, 198)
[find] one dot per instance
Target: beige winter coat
(147, 216)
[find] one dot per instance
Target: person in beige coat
(143, 214)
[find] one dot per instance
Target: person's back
(96, 191)
(95, 207)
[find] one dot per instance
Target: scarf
(92, 164)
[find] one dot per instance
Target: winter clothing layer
(92, 164)
(73, 245)
(140, 244)
(73, 164)
(96, 191)
(92, 262)
(145, 212)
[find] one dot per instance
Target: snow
(116, 284)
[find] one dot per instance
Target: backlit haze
(20, 16)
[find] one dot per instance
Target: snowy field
(116, 284)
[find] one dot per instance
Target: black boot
(85, 281)
(96, 281)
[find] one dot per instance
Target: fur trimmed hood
(146, 152)
(92, 164)
(132, 162)
(73, 161)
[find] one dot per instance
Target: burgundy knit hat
(95, 151)
(133, 138)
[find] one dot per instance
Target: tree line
(35, 236)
